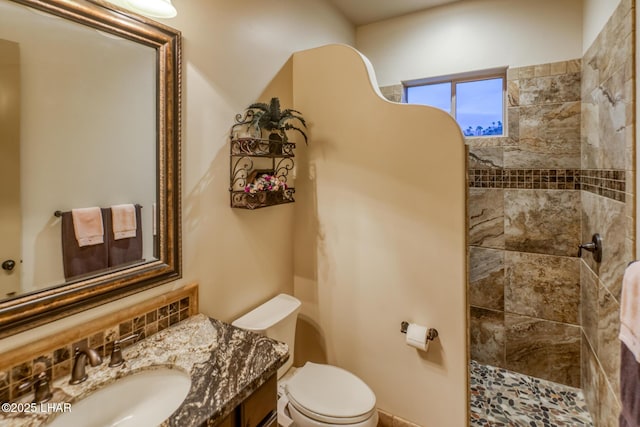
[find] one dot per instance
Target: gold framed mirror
(51, 300)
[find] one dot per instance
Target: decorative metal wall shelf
(244, 156)
(258, 167)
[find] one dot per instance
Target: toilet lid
(330, 394)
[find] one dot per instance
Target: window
(475, 100)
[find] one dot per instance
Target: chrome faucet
(41, 388)
(78, 373)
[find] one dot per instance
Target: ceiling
(361, 12)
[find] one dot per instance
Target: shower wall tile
(590, 382)
(609, 405)
(589, 305)
(513, 93)
(608, 350)
(485, 158)
(608, 152)
(486, 278)
(608, 183)
(549, 137)
(526, 72)
(606, 217)
(541, 70)
(542, 221)
(608, 90)
(542, 286)
(543, 349)
(618, 38)
(486, 217)
(574, 65)
(393, 93)
(513, 126)
(590, 147)
(486, 141)
(487, 339)
(550, 89)
(612, 116)
(556, 68)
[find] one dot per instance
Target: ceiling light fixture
(150, 8)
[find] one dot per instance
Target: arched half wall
(379, 236)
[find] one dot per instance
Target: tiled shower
(563, 172)
(524, 229)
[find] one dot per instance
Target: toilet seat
(331, 395)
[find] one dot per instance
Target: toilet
(315, 395)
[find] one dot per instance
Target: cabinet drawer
(261, 404)
(229, 421)
(270, 421)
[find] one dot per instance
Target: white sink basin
(145, 398)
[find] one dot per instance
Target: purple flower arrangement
(266, 182)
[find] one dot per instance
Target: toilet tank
(276, 319)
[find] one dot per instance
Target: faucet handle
(116, 352)
(41, 386)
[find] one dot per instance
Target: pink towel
(123, 219)
(88, 227)
(630, 310)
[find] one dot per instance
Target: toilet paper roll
(417, 336)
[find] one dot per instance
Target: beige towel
(123, 218)
(88, 227)
(630, 310)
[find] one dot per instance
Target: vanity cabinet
(257, 410)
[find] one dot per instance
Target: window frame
(454, 79)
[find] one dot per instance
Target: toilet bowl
(322, 395)
(315, 395)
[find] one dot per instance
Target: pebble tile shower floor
(504, 398)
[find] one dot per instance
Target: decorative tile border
(55, 356)
(604, 182)
(545, 179)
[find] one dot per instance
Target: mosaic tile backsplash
(57, 360)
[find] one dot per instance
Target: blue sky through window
(437, 95)
(479, 103)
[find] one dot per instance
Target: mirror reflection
(77, 130)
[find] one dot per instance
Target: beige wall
(380, 236)
(232, 50)
(472, 35)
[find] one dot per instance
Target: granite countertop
(226, 365)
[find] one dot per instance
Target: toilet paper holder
(432, 334)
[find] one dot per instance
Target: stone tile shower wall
(608, 140)
(524, 229)
(564, 171)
